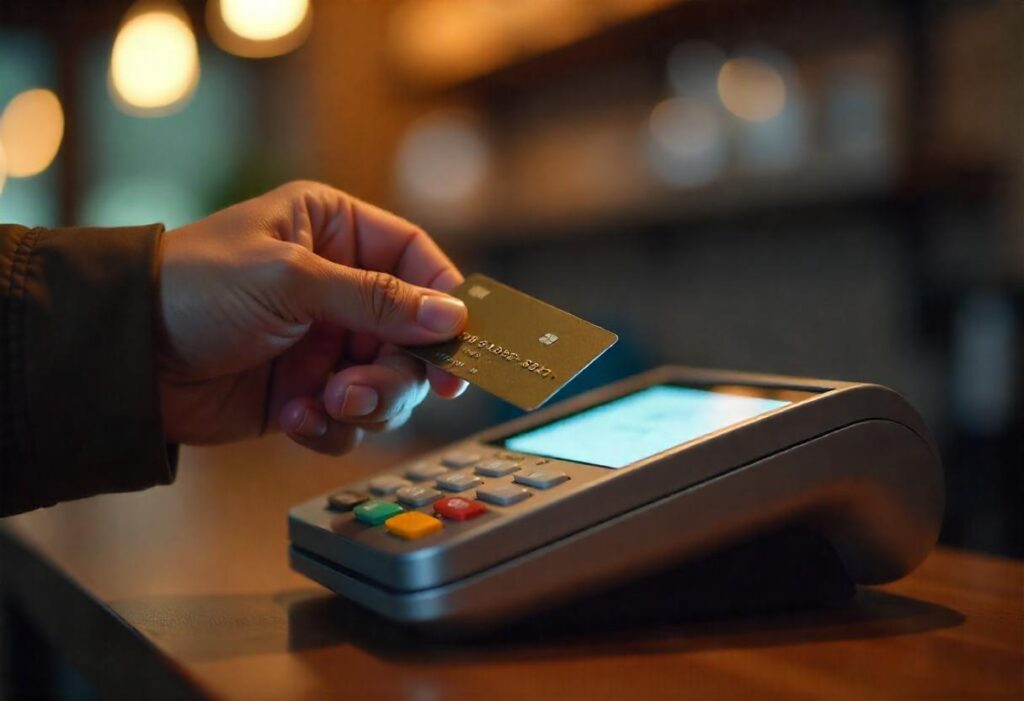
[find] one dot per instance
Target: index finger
(417, 259)
(364, 236)
(385, 241)
(351, 232)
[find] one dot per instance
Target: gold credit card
(515, 346)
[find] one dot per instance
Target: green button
(376, 512)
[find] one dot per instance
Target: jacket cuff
(90, 371)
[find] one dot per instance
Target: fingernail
(313, 424)
(359, 400)
(441, 314)
(446, 281)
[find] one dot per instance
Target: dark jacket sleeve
(79, 412)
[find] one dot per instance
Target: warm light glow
(154, 66)
(635, 8)
(751, 89)
(443, 41)
(259, 28)
(31, 128)
(263, 20)
(443, 159)
(440, 42)
(688, 145)
(536, 25)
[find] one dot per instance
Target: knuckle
(385, 296)
(289, 267)
(301, 186)
(299, 190)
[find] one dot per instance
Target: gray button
(387, 484)
(425, 470)
(461, 459)
(496, 468)
(502, 494)
(345, 501)
(541, 479)
(458, 481)
(417, 495)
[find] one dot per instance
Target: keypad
(458, 481)
(460, 459)
(417, 495)
(345, 501)
(496, 468)
(541, 479)
(425, 470)
(412, 525)
(499, 478)
(459, 508)
(375, 512)
(502, 494)
(387, 484)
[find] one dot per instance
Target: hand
(280, 313)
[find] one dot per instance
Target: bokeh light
(31, 127)
(443, 159)
(687, 141)
(259, 28)
(154, 66)
(772, 134)
(751, 89)
(263, 20)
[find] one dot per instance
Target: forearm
(79, 412)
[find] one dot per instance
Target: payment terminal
(628, 480)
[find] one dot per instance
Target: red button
(459, 508)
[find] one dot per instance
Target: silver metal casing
(854, 462)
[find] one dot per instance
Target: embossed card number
(515, 346)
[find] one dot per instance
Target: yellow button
(412, 525)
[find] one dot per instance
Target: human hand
(279, 313)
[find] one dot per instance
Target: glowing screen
(639, 425)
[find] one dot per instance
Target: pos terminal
(628, 480)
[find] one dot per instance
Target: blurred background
(827, 189)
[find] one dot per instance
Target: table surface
(186, 591)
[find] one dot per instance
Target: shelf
(651, 36)
(757, 201)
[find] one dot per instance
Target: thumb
(382, 304)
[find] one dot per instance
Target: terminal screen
(640, 425)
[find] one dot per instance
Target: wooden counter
(185, 591)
